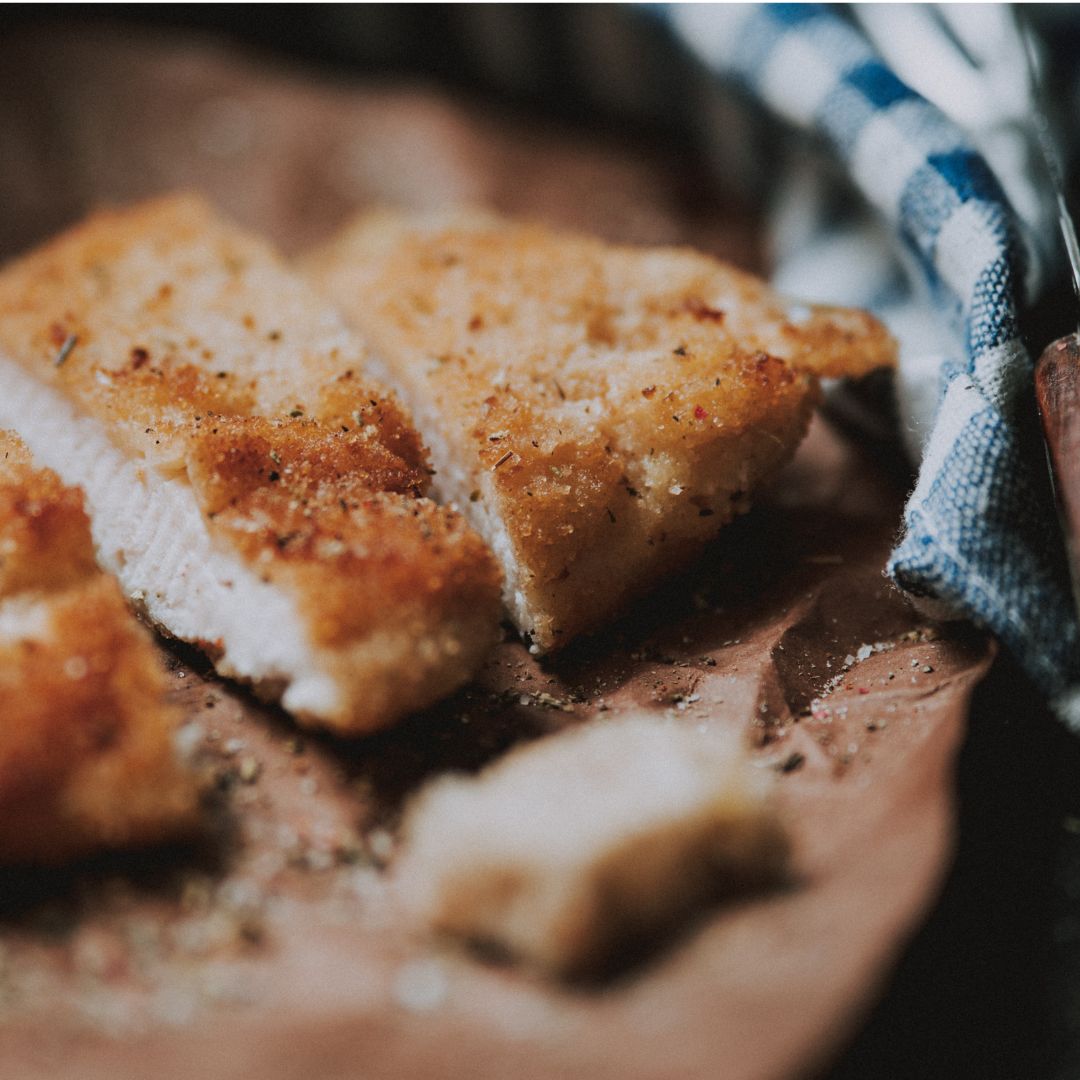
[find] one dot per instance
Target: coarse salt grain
(420, 986)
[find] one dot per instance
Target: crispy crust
(206, 359)
(45, 543)
(598, 411)
(86, 754)
(334, 516)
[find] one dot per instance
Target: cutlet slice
(573, 852)
(599, 412)
(86, 735)
(247, 484)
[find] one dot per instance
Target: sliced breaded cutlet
(571, 852)
(247, 483)
(86, 734)
(598, 411)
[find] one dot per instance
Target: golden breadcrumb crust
(598, 411)
(206, 358)
(86, 753)
(45, 543)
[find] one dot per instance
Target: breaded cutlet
(591, 843)
(599, 412)
(251, 488)
(86, 734)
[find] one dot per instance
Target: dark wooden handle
(1057, 389)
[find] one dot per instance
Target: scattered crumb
(249, 770)
(420, 985)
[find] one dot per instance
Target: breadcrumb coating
(205, 360)
(86, 752)
(599, 412)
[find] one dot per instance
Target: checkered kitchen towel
(932, 244)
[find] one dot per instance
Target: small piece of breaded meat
(576, 851)
(86, 735)
(599, 412)
(251, 489)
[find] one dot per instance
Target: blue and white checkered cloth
(934, 246)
